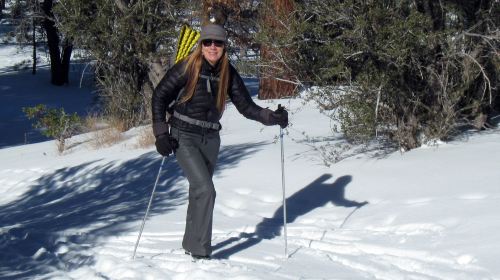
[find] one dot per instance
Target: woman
(197, 87)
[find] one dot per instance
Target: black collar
(206, 67)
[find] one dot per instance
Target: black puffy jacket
(203, 104)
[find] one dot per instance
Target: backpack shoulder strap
(170, 107)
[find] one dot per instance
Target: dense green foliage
(406, 70)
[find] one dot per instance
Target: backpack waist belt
(203, 124)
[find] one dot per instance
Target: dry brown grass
(104, 133)
(118, 124)
(107, 132)
(105, 137)
(145, 138)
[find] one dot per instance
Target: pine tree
(408, 71)
(133, 43)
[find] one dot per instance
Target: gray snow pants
(197, 156)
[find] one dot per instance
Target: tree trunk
(59, 63)
(67, 49)
(271, 87)
(34, 46)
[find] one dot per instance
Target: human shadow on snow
(51, 226)
(316, 194)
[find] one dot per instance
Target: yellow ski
(187, 39)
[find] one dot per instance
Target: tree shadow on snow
(20, 89)
(50, 227)
(316, 194)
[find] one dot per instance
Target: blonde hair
(193, 68)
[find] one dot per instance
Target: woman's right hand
(165, 144)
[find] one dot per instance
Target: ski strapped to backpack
(187, 39)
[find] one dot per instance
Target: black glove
(165, 145)
(280, 116)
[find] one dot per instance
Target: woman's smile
(212, 52)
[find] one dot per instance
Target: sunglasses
(208, 43)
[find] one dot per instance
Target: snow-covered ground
(431, 213)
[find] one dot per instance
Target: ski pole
(147, 209)
(283, 187)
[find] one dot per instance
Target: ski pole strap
(203, 124)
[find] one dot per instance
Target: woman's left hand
(280, 117)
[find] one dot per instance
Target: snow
(430, 213)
